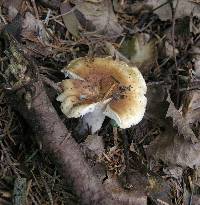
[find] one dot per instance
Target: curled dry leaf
(173, 149)
(180, 122)
(36, 36)
(34, 26)
(93, 16)
(185, 8)
(141, 50)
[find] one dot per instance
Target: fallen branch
(28, 96)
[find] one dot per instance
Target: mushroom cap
(104, 80)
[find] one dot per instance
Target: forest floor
(158, 159)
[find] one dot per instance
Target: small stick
(167, 2)
(35, 9)
(126, 157)
(174, 54)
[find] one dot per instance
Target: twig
(48, 190)
(61, 15)
(167, 2)
(35, 9)
(46, 21)
(126, 157)
(173, 43)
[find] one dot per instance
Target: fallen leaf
(31, 25)
(36, 37)
(180, 122)
(97, 17)
(156, 107)
(185, 8)
(141, 50)
(173, 149)
(69, 19)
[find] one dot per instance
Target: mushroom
(100, 87)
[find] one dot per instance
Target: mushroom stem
(94, 120)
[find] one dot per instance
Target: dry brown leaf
(69, 19)
(36, 36)
(185, 8)
(174, 150)
(97, 17)
(34, 26)
(156, 106)
(180, 122)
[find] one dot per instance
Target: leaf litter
(165, 144)
(163, 10)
